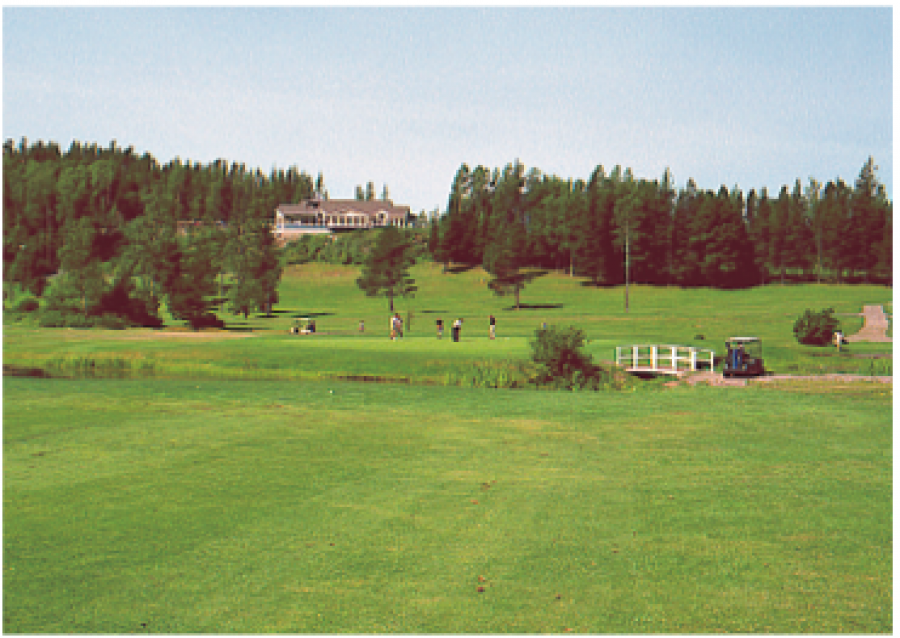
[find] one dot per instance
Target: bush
(55, 318)
(131, 307)
(816, 328)
(561, 364)
(29, 304)
(305, 249)
(207, 320)
(557, 352)
(19, 299)
(110, 322)
(345, 248)
(115, 306)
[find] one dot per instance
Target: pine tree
(867, 220)
(799, 234)
(504, 263)
(252, 260)
(81, 265)
(386, 270)
(189, 278)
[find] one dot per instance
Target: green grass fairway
(227, 506)
(230, 482)
(260, 347)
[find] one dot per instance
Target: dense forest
(615, 226)
(104, 236)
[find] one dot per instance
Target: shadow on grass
(461, 268)
(312, 315)
(237, 327)
(536, 306)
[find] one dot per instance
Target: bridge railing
(665, 359)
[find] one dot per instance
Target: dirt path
(874, 328)
(716, 379)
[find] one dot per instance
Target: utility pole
(624, 211)
(627, 256)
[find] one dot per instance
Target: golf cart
(304, 326)
(744, 358)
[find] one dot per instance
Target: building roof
(338, 206)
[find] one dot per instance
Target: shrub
(18, 299)
(131, 306)
(55, 318)
(305, 249)
(116, 306)
(557, 352)
(110, 322)
(345, 248)
(561, 364)
(27, 304)
(816, 328)
(207, 320)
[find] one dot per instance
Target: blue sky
(751, 97)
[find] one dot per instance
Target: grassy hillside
(229, 482)
(261, 347)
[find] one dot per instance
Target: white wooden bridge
(657, 359)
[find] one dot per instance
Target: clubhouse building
(327, 216)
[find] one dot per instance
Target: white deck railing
(664, 359)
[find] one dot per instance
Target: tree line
(616, 229)
(106, 236)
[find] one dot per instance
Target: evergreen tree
(867, 224)
(778, 225)
(758, 215)
(650, 233)
(814, 220)
(504, 263)
(151, 241)
(800, 237)
(189, 278)
(252, 260)
(837, 249)
(594, 249)
(724, 251)
(685, 262)
(82, 267)
(457, 240)
(386, 271)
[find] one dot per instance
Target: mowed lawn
(261, 346)
(226, 506)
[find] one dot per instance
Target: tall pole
(627, 262)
